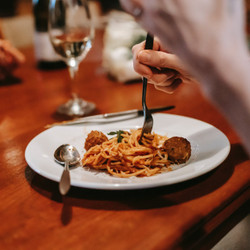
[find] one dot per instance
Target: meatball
(94, 138)
(178, 149)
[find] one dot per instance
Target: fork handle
(149, 41)
(148, 45)
(144, 91)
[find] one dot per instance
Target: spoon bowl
(67, 152)
(67, 155)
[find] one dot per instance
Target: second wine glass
(71, 33)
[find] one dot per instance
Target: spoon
(68, 155)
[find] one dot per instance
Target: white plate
(209, 146)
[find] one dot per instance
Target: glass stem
(72, 72)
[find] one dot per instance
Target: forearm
(229, 88)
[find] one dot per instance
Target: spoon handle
(64, 184)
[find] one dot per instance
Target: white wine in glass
(71, 33)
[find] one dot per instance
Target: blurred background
(16, 18)
(121, 32)
(17, 21)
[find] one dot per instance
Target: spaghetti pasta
(129, 157)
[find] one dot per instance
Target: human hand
(204, 34)
(161, 68)
(10, 59)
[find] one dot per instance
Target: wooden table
(33, 214)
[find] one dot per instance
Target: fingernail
(144, 56)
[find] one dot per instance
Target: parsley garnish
(118, 134)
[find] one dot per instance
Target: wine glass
(71, 33)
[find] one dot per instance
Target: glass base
(76, 107)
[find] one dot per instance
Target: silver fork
(148, 119)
